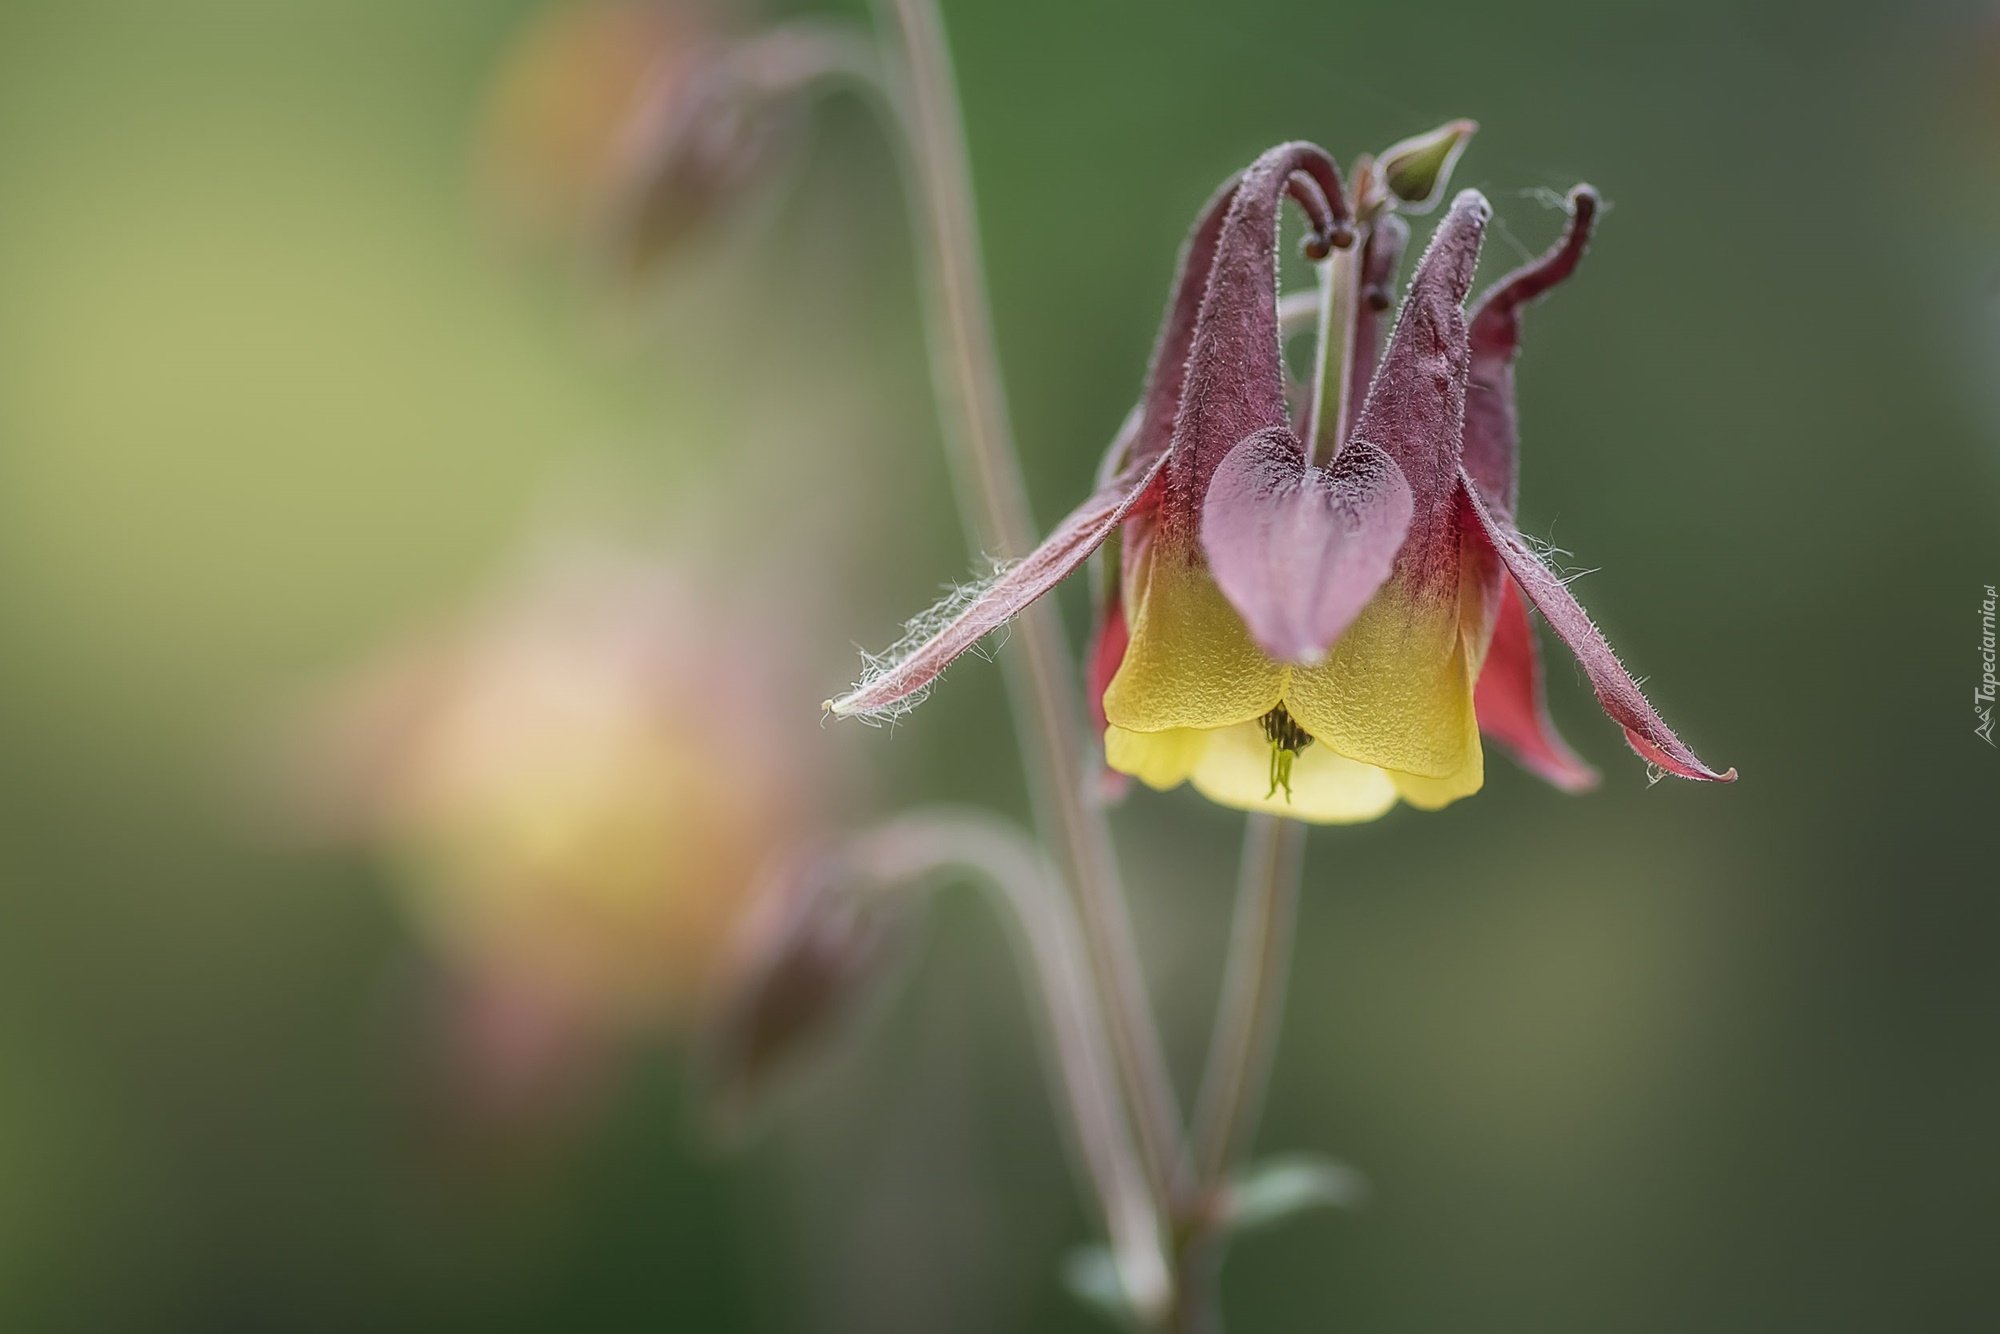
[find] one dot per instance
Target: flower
(1309, 638)
(569, 826)
(811, 949)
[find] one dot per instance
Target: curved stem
(1054, 740)
(805, 52)
(1253, 996)
(922, 843)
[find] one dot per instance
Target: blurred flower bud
(695, 150)
(634, 124)
(566, 97)
(812, 948)
(1418, 169)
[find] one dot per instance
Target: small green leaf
(1269, 1192)
(1417, 170)
(1091, 1275)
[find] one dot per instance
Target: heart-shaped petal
(1299, 550)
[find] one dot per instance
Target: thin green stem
(917, 845)
(1039, 673)
(1253, 996)
(1333, 366)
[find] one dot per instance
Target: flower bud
(637, 124)
(814, 946)
(564, 103)
(696, 148)
(1418, 169)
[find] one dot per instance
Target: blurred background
(349, 513)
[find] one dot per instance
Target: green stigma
(1287, 739)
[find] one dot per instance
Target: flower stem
(994, 502)
(921, 843)
(1253, 996)
(1339, 307)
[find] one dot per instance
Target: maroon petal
(1416, 405)
(1616, 690)
(1510, 704)
(1379, 262)
(1492, 432)
(1166, 373)
(1234, 384)
(928, 652)
(1109, 633)
(1299, 550)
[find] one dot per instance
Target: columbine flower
(1310, 637)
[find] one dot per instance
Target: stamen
(1287, 739)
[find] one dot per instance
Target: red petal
(1416, 406)
(1234, 385)
(1298, 550)
(1167, 371)
(1510, 705)
(1616, 690)
(1378, 295)
(1064, 549)
(1492, 433)
(1110, 634)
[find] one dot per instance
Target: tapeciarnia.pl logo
(1982, 696)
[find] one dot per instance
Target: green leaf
(1267, 1193)
(1091, 1275)
(1417, 170)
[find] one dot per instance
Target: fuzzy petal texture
(1166, 372)
(1234, 382)
(1065, 549)
(1299, 550)
(1416, 405)
(1190, 662)
(1136, 459)
(1616, 691)
(1492, 429)
(1510, 704)
(1379, 263)
(1396, 691)
(1109, 636)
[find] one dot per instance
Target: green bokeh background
(1653, 1059)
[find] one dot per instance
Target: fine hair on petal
(920, 630)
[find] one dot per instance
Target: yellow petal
(1326, 788)
(1396, 691)
(1157, 759)
(1430, 794)
(1190, 663)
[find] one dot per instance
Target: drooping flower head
(1314, 636)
